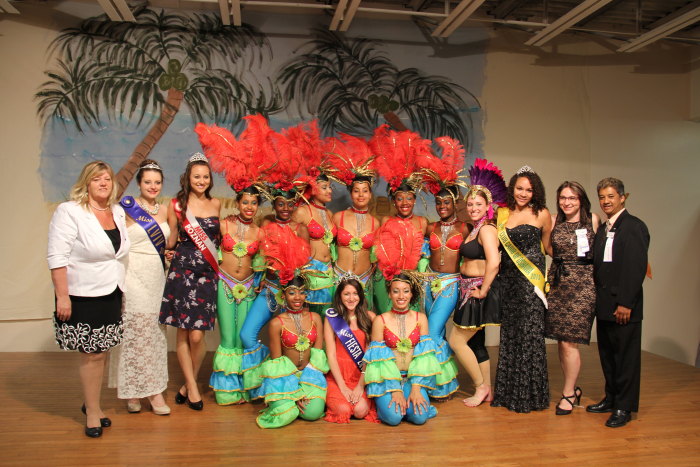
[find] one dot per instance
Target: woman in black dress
(523, 228)
(572, 297)
(189, 299)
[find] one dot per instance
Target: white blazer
(78, 242)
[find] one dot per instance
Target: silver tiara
(151, 165)
(525, 169)
(197, 157)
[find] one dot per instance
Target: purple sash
(149, 224)
(346, 337)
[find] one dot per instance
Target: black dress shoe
(95, 432)
(199, 405)
(104, 422)
(179, 398)
(604, 406)
(619, 418)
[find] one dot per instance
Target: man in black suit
(619, 266)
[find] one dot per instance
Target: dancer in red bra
(346, 384)
(401, 361)
(293, 383)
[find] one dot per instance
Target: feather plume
(347, 157)
(398, 247)
(398, 154)
(441, 172)
(285, 252)
(485, 174)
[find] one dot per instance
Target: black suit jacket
(620, 282)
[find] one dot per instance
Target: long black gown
(521, 377)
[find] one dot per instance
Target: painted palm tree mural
(144, 72)
(350, 86)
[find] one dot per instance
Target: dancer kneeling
(401, 362)
(293, 382)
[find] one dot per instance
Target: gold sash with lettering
(522, 262)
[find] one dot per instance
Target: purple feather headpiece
(488, 179)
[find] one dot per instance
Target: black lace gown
(521, 377)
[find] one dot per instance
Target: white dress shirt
(78, 242)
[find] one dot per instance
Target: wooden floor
(41, 424)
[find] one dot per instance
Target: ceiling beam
(236, 12)
(6, 7)
(338, 14)
(458, 16)
(117, 10)
(225, 12)
(349, 14)
(585, 9)
(666, 29)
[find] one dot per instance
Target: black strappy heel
(574, 400)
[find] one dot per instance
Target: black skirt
(475, 313)
(95, 324)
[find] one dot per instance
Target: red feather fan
(398, 247)
(284, 251)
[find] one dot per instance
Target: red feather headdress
(398, 155)
(349, 157)
(398, 248)
(285, 252)
(443, 172)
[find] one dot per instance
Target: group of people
(356, 307)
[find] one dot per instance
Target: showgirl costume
(241, 162)
(442, 179)
(189, 298)
(350, 158)
(398, 251)
(281, 178)
(398, 161)
(283, 384)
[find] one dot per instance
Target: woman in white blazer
(87, 253)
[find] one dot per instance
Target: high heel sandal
(104, 423)
(574, 400)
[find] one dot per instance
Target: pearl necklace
(99, 209)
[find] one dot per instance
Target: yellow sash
(524, 265)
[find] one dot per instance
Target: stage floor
(42, 425)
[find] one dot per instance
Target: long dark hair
(585, 209)
(539, 200)
(364, 322)
(184, 193)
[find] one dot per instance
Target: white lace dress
(139, 366)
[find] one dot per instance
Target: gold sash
(522, 262)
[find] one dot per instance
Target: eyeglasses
(568, 198)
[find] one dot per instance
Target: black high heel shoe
(95, 432)
(574, 400)
(179, 398)
(104, 423)
(199, 405)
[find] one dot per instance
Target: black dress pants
(620, 349)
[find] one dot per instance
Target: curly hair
(539, 201)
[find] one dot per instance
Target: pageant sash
(522, 262)
(346, 337)
(147, 222)
(198, 236)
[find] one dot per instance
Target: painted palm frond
(348, 84)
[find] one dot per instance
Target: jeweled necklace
(242, 227)
(324, 218)
(360, 223)
(297, 318)
(281, 222)
(152, 211)
(445, 233)
(401, 323)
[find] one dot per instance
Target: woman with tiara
(442, 179)
(397, 161)
(293, 382)
(401, 362)
(350, 157)
(478, 304)
(281, 177)
(314, 214)
(189, 299)
(239, 160)
(524, 229)
(139, 369)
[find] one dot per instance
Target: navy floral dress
(189, 298)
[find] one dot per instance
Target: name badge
(582, 246)
(607, 254)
